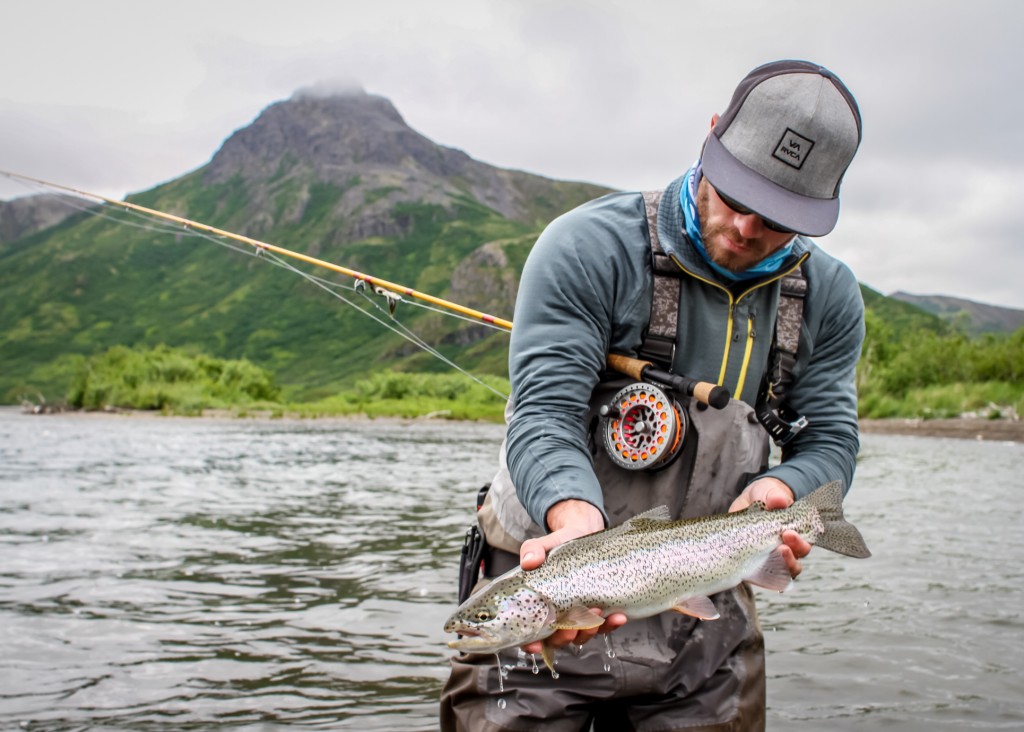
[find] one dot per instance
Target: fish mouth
(474, 640)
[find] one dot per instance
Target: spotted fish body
(646, 566)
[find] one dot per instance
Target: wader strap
(659, 341)
(783, 424)
(792, 293)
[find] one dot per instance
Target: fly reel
(644, 427)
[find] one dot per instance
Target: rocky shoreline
(967, 428)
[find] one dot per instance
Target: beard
(711, 233)
(752, 251)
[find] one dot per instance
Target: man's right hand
(567, 520)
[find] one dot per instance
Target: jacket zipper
(751, 334)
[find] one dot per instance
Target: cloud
(613, 92)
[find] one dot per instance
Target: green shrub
(931, 374)
(168, 379)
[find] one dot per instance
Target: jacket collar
(675, 242)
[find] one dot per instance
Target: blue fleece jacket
(586, 291)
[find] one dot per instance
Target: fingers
(533, 551)
(562, 638)
(799, 546)
(778, 497)
(794, 548)
(532, 554)
(773, 493)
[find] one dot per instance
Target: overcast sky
(118, 96)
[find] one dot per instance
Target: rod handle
(704, 392)
(632, 367)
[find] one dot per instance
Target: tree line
(917, 373)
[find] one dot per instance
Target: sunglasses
(744, 211)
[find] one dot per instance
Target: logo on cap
(793, 149)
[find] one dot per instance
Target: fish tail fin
(840, 535)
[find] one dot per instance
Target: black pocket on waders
(474, 548)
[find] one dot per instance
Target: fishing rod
(262, 245)
(704, 392)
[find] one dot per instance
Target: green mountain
(341, 178)
(24, 216)
(972, 318)
(899, 316)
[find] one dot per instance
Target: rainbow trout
(646, 566)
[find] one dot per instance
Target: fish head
(505, 613)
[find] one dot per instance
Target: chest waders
(673, 670)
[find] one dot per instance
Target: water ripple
(173, 574)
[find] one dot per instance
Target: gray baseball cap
(782, 146)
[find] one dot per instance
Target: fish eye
(483, 615)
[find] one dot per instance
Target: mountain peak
(319, 131)
(338, 135)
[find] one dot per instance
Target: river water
(194, 574)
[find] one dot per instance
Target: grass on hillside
(182, 382)
(924, 375)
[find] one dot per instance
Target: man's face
(733, 240)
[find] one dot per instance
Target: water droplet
(501, 703)
(607, 667)
(554, 674)
(536, 668)
(501, 674)
(608, 646)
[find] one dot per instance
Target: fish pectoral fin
(547, 652)
(773, 574)
(578, 618)
(697, 607)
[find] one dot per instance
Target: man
(731, 229)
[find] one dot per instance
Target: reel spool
(644, 427)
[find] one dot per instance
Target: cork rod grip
(703, 391)
(632, 367)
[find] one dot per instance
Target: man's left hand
(774, 494)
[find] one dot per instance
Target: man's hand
(567, 520)
(773, 493)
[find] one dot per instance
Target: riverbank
(967, 428)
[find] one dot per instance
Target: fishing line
(328, 286)
(150, 221)
(390, 323)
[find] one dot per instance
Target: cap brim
(803, 215)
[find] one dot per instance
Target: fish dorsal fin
(755, 507)
(658, 513)
(645, 520)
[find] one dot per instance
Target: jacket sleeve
(824, 390)
(585, 271)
